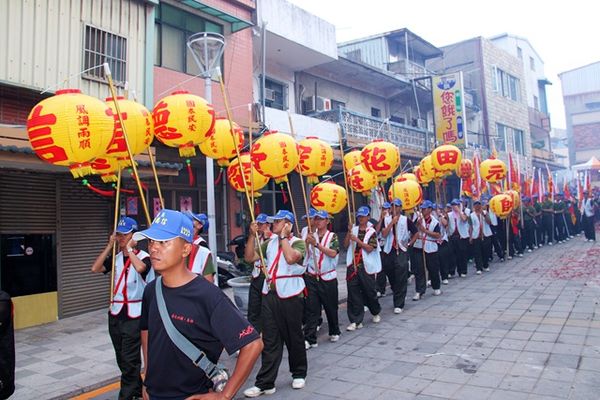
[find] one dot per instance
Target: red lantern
(329, 197)
(380, 158)
(466, 169)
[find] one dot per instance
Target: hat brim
(124, 232)
(155, 234)
(362, 215)
(273, 219)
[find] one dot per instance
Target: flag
(588, 182)
(513, 181)
(566, 190)
(579, 192)
(540, 185)
(550, 183)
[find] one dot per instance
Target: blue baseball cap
(261, 218)
(282, 214)
(363, 211)
(397, 202)
(440, 206)
(386, 205)
(168, 224)
(322, 214)
(311, 213)
(448, 205)
(127, 225)
(427, 204)
(455, 202)
(526, 199)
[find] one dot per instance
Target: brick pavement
(529, 329)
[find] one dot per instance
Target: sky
(564, 33)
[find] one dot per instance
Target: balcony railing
(358, 127)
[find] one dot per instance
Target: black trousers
(559, 226)
(529, 234)
(395, 268)
(495, 242)
(361, 293)
(447, 263)
(126, 339)
(514, 244)
(255, 301)
(282, 324)
(588, 227)
(433, 267)
(482, 250)
(548, 221)
(539, 230)
(321, 294)
(460, 248)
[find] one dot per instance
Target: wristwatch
(130, 249)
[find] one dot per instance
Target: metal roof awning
(237, 24)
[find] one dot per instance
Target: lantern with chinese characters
(316, 158)
(138, 125)
(516, 198)
(406, 177)
(422, 179)
(426, 168)
(446, 158)
(360, 180)
(501, 204)
(492, 170)
(380, 158)
(106, 168)
(352, 159)
(221, 144)
(408, 191)
(254, 179)
(329, 197)
(465, 171)
(70, 129)
(275, 155)
(183, 120)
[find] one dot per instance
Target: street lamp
(207, 49)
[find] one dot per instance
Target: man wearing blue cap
(200, 311)
(458, 230)
(426, 248)
(397, 232)
(381, 279)
(131, 268)
(282, 303)
(363, 263)
(588, 213)
(480, 241)
(529, 224)
(445, 254)
(548, 220)
(258, 276)
(559, 218)
(321, 280)
(200, 260)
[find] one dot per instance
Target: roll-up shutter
(27, 202)
(85, 224)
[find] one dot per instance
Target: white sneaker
(529, 250)
(397, 310)
(428, 283)
(298, 383)
(378, 294)
(351, 327)
(478, 272)
(445, 281)
(376, 319)
(486, 269)
(509, 258)
(521, 255)
(437, 292)
(310, 345)
(550, 244)
(318, 328)
(463, 275)
(255, 391)
(417, 297)
(334, 338)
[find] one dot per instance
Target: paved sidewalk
(529, 329)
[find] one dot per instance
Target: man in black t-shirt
(199, 311)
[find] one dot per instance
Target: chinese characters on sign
(449, 110)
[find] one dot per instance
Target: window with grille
(104, 47)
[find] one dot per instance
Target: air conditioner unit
(421, 123)
(270, 94)
(317, 104)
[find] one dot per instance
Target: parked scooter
(230, 264)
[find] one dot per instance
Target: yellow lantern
(516, 198)
(221, 144)
(275, 155)
(255, 181)
(408, 191)
(360, 180)
(316, 158)
(421, 178)
(465, 171)
(380, 158)
(501, 205)
(426, 168)
(407, 176)
(446, 158)
(106, 167)
(70, 129)
(183, 120)
(492, 170)
(138, 125)
(329, 197)
(352, 159)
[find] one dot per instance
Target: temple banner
(449, 109)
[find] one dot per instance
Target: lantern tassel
(285, 198)
(256, 208)
(191, 179)
(123, 190)
(218, 180)
(105, 193)
(187, 150)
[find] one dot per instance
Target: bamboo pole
(153, 165)
(349, 191)
(114, 249)
(136, 175)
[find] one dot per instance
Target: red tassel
(190, 172)
(105, 193)
(128, 191)
(218, 180)
(285, 198)
(256, 208)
